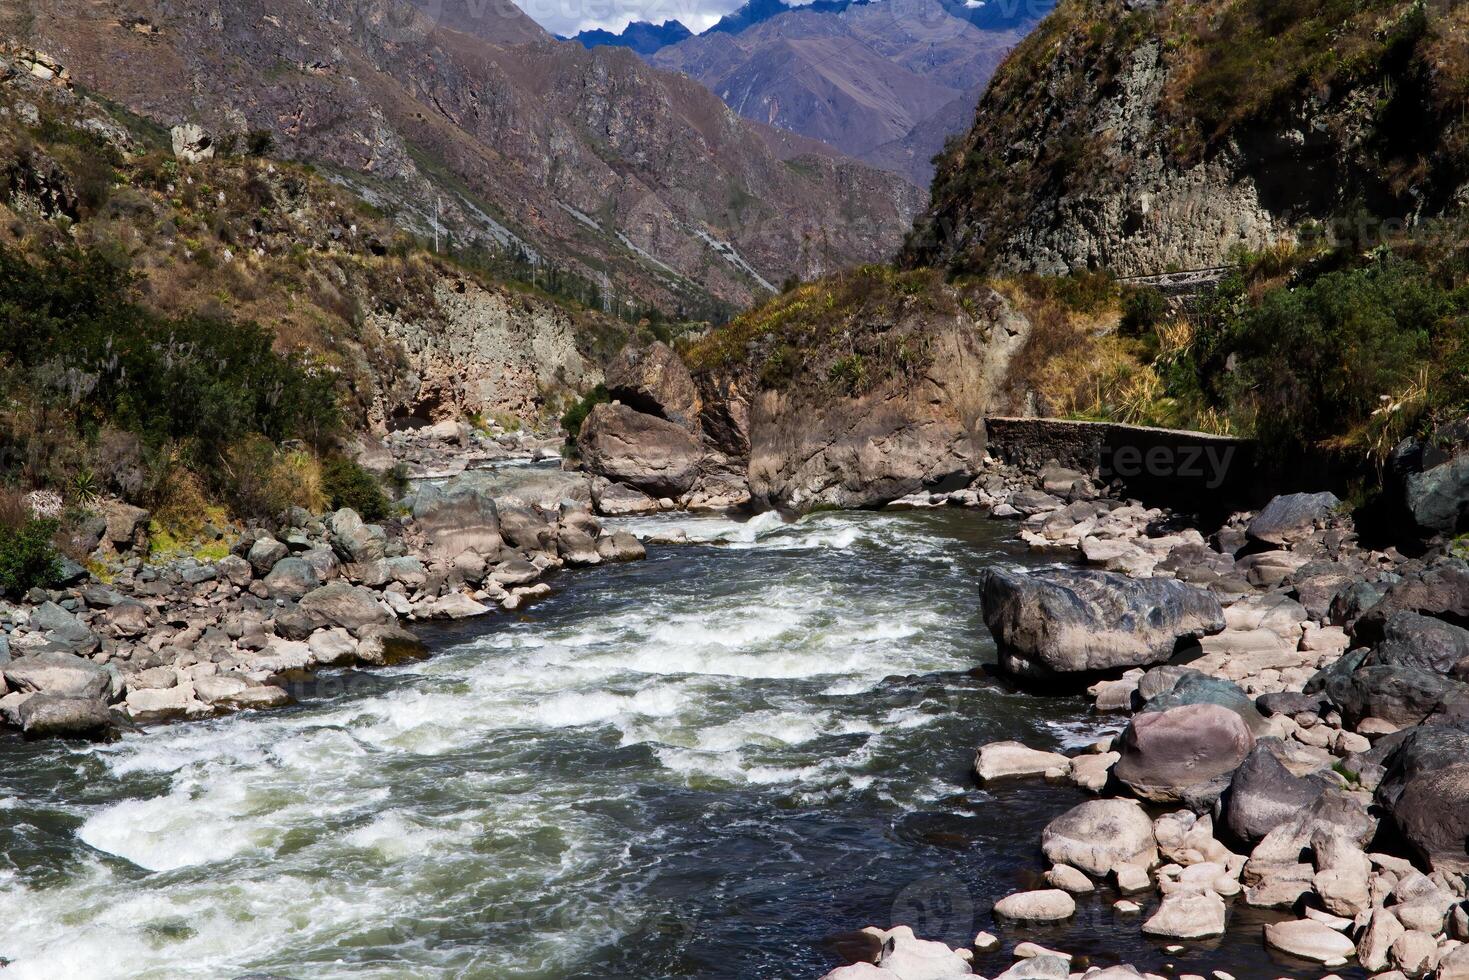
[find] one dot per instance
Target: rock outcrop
(642, 451)
(1135, 137)
(1079, 622)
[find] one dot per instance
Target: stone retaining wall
(1173, 467)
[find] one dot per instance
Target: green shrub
(348, 484)
(1312, 362)
(573, 417)
(74, 334)
(1142, 310)
(28, 559)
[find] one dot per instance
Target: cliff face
(1137, 136)
(589, 160)
(860, 389)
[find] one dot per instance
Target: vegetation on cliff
(1332, 111)
(846, 334)
(202, 339)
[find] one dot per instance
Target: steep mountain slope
(586, 159)
(858, 78)
(499, 22)
(1139, 138)
(239, 240)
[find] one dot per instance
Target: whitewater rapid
(598, 788)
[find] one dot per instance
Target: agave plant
(84, 490)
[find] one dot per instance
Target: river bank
(248, 618)
(1263, 766)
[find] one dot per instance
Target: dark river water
(708, 764)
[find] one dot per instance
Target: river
(706, 764)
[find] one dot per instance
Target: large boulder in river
(1265, 794)
(1099, 836)
(1426, 792)
(456, 518)
(648, 453)
(61, 674)
(1185, 754)
(1291, 517)
(59, 716)
(1413, 640)
(654, 380)
(1073, 621)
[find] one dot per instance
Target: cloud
(567, 17)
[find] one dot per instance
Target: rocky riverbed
(1295, 741)
(156, 642)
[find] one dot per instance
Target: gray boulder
(1265, 794)
(1441, 590)
(235, 570)
(291, 578)
(1402, 695)
(1413, 640)
(354, 539)
(56, 716)
(128, 618)
(388, 643)
(524, 528)
(348, 606)
(1099, 836)
(577, 547)
(64, 632)
(1290, 518)
(645, 452)
(1437, 494)
(1196, 687)
(264, 553)
(60, 674)
(620, 546)
(1082, 621)
(1426, 793)
(1185, 754)
(1316, 585)
(457, 518)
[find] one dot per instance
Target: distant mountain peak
(640, 35)
(756, 11)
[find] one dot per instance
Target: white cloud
(567, 17)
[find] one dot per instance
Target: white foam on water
(295, 841)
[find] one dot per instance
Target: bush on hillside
(79, 352)
(1142, 310)
(28, 558)
(348, 484)
(1313, 362)
(573, 417)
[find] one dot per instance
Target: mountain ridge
(587, 160)
(863, 78)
